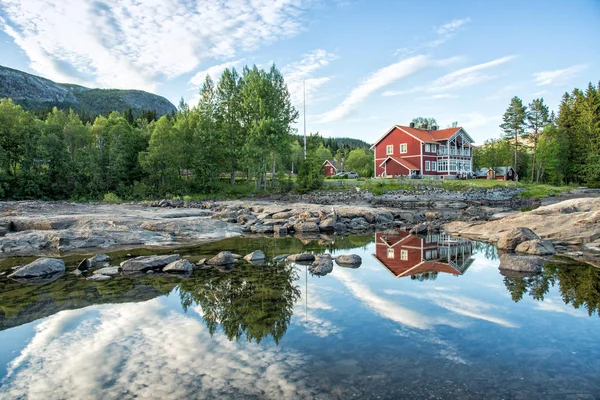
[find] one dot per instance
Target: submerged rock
(84, 265)
(98, 278)
(223, 258)
(99, 259)
(301, 257)
(280, 258)
(255, 256)
(179, 266)
(306, 227)
(108, 271)
(537, 247)
(519, 263)
(39, 268)
(144, 263)
(321, 266)
(515, 237)
(349, 259)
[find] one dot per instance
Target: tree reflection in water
(579, 284)
(253, 301)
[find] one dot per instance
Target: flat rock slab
(301, 257)
(39, 268)
(145, 263)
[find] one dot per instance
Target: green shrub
(111, 198)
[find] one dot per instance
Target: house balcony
(454, 152)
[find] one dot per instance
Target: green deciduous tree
(537, 118)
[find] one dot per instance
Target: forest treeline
(240, 131)
(548, 147)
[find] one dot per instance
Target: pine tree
(514, 123)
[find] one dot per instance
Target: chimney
(424, 126)
(412, 125)
(434, 128)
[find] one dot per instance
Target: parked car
(350, 175)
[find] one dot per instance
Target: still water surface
(421, 318)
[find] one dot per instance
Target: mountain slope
(34, 92)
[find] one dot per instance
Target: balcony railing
(454, 152)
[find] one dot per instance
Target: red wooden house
(331, 167)
(403, 254)
(408, 150)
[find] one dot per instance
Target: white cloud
(461, 78)
(214, 72)
(376, 81)
(451, 27)
(439, 96)
(558, 76)
(303, 71)
(477, 120)
(147, 350)
(133, 44)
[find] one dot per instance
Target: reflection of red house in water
(407, 255)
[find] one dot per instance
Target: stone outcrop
(536, 247)
(519, 263)
(99, 259)
(145, 263)
(513, 238)
(39, 268)
(179, 267)
(223, 258)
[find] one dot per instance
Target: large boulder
(306, 227)
(513, 262)
(145, 263)
(108, 271)
(301, 257)
(321, 266)
(515, 237)
(348, 259)
(255, 256)
(536, 247)
(328, 224)
(179, 267)
(223, 258)
(39, 268)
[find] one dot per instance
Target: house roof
(424, 135)
(332, 162)
(402, 161)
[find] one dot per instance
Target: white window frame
(427, 148)
(433, 148)
(389, 149)
(390, 253)
(434, 166)
(427, 166)
(404, 255)
(405, 147)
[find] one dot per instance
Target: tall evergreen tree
(514, 124)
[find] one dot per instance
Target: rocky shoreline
(36, 228)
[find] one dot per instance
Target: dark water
(421, 318)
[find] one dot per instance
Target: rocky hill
(34, 92)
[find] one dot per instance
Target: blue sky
(367, 64)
